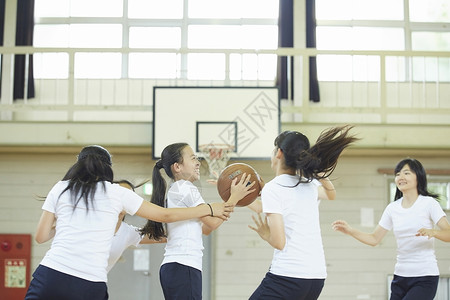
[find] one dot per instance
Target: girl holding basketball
(291, 224)
(181, 269)
(412, 216)
(80, 214)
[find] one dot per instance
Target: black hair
(416, 167)
(171, 154)
(93, 165)
(318, 161)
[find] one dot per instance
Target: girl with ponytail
(181, 269)
(290, 203)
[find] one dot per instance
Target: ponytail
(328, 148)
(155, 230)
(170, 155)
(318, 161)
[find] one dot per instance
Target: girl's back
(83, 237)
(298, 204)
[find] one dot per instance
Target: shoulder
(182, 187)
(60, 185)
(427, 198)
(394, 205)
(429, 201)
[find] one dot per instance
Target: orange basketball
(236, 170)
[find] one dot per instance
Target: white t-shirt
(184, 238)
(126, 236)
(303, 255)
(83, 238)
(415, 254)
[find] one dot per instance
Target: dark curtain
(314, 94)
(24, 37)
(285, 71)
(2, 28)
(285, 74)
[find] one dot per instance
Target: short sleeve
(386, 218)
(436, 211)
(132, 201)
(51, 199)
(316, 182)
(270, 200)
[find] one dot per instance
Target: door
(136, 274)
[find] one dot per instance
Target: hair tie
(159, 164)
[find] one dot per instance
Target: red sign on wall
(15, 260)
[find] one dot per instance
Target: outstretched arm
(238, 190)
(371, 239)
(271, 229)
(157, 213)
(443, 233)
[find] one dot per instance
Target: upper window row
(419, 10)
(152, 9)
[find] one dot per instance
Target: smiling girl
(416, 272)
(181, 269)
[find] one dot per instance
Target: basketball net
(216, 156)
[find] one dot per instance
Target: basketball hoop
(217, 156)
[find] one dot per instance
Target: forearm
(167, 215)
(363, 237)
(443, 235)
(44, 237)
(181, 214)
(256, 206)
(276, 241)
(328, 188)
(210, 224)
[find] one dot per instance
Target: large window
(383, 25)
(168, 24)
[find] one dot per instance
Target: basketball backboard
(246, 118)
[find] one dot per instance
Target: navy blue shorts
(287, 288)
(414, 288)
(49, 284)
(180, 282)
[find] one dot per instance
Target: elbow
(373, 243)
(280, 245)
(331, 196)
(39, 239)
(206, 230)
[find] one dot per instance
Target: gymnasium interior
(78, 72)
